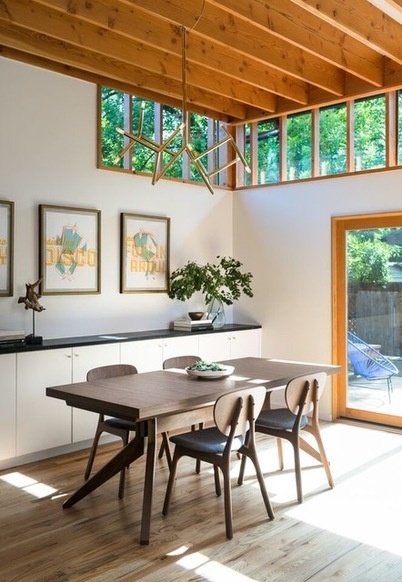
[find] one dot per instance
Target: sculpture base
(32, 339)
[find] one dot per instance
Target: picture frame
(144, 253)
(6, 248)
(69, 250)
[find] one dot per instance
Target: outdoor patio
(373, 394)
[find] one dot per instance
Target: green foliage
(223, 280)
(268, 151)
(368, 258)
(333, 140)
(112, 116)
(369, 133)
(299, 146)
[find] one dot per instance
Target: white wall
(284, 234)
(281, 233)
(48, 156)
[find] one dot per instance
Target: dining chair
(302, 396)
(234, 416)
(180, 362)
(116, 426)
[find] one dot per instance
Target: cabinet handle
(68, 356)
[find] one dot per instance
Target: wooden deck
(350, 533)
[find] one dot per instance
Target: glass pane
(400, 127)
(268, 151)
(172, 118)
(299, 153)
(247, 152)
(112, 116)
(369, 133)
(142, 158)
(374, 318)
(333, 140)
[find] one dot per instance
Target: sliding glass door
(367, 316)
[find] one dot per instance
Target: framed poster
(69, 251)
(6, 248)
(144, 253)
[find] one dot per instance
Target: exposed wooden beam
(306, 30)
(363, 21)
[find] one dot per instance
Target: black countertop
(107, 338)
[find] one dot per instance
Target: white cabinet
(8, 387)
(149, 355)
(83, 359)
(226, 345)
(31, 422)
(42, 422)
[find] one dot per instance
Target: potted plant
(220, 283)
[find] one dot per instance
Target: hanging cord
(200, 15)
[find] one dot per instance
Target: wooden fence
(376, 317)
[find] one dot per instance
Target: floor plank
(350, 533)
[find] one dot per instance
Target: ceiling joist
(245, 60)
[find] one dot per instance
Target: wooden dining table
(165, 400)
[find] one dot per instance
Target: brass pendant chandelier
(195, 158)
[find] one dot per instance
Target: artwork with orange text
(69, 250)
(144, 253)
(6, 248)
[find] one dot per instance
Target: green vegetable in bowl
(203, 366)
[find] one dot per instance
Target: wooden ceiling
(245, 59)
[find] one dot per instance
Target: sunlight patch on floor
(210, 569)
(29, 485)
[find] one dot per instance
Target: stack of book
(185, 324)
(11, 339)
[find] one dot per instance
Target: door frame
(339, 227)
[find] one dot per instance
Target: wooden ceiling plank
(305, 30)
(362, 20)
(69, 29)
(147, 28)
(246, 39)
(44, 46)
(98, 79)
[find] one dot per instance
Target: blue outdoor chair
(370, 363)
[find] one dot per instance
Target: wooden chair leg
(172, 477)
(279, 446)
(218, 490)
(240, 478)
(122, 481)
(252, 454)
(319, 455)
(228, 503)
(296, 451)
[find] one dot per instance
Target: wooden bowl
(195, 315)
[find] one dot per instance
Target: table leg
(127, 455)
(148, 482)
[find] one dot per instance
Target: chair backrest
(367, 361)
(180, 362)
(296, 386)
(241, 407)
(103, 372)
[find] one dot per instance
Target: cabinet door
(8, 409)
(145, 355)
(245, 343)
(42, 422)
(84, 358)
(215, 347)
(148, 355)
(187, 345)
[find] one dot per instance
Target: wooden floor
(351, 533)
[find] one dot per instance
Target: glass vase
(216, 313)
